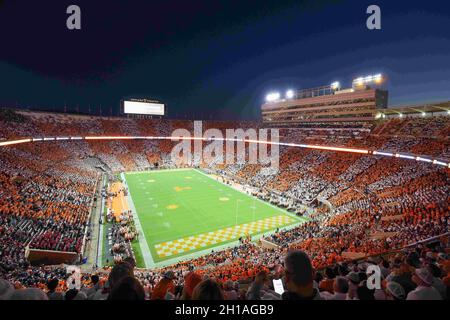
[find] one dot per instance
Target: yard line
(267, 203)
(197, 216)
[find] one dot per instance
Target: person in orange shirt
(164, 286)
(327, 283)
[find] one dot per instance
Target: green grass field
(182, 212)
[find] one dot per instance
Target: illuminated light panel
(12, 142)
(109, 138)
(424, 159)
(387, 154)
(404, 156)
(337, 149)
(441, 163)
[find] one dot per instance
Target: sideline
(146, 254)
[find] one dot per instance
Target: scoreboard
(143, 107)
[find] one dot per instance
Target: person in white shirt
(353, 283)
(424, 291)
(340, 287)
(438, 284)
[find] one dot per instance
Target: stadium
(107, 189)
(140, 206)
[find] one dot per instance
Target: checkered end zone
(184, 245)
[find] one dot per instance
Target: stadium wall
(49, 257)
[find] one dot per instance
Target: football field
(183, 213)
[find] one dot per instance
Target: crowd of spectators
(421, 272)
(364, 206)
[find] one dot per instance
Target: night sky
(211, 58)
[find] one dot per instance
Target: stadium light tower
(360, 81)
(378, 78)
(289, 94)
(336, 85)
(273, 96)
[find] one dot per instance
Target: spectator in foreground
(191, 280)
(29, 294)
(403, 276)
(131, 262)
(207, 290)
(364, 293)
(229, 292)
(165, 285)
(6, 290)
(254, 292)
(340, 288)
(70, 294)
(394, 291)
(424, 291)
(299, 276)
(327, 284)
(118, 272)
(438, 284)
(52, 294)
(128, 288)
(353, 284)
(90, 292)
(102, 293)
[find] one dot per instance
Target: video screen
(147, 108)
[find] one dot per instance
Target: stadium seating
(368, 210)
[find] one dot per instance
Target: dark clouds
(215, 58)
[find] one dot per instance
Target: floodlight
(289, 94)
(273, 96)
(359, 81)
(335, 85)
(377, 78)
